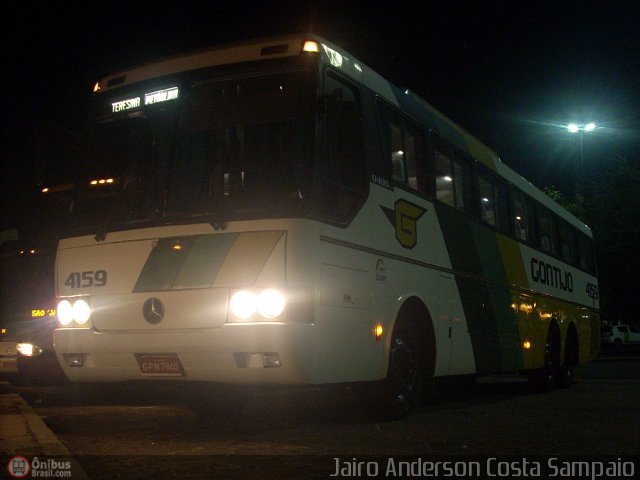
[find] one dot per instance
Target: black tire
(409, 371)
(617, 344)
(546, 378)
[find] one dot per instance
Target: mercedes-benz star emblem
(153, 310)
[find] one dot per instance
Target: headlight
(81, 312)
(269, 303)
(78, 311)
(65, 312)
(28, 349)
(243, 304)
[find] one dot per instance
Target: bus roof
(406, 100)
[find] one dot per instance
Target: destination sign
(161, 96)
(150, 98)
(127, 104)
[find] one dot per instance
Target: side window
(585, 249)
(568, 244)
(462, 184)
(453, 179)
(444, 179)
(399, 172)
(404, 146)
(548, 231)
(523, 216)
(345, 175)
(416, 155)
(493, 202)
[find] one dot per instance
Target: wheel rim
(551, 360)
(570, 362)
(403, 370)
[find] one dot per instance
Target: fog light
(271, 360)
(74, 359)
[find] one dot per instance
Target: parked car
(618, 335)
(13, 355)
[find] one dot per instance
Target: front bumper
(233, 354)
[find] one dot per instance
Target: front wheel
(408, 371)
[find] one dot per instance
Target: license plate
(160, 365)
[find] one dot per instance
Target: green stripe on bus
(476, 259)
(474, 295)
(490, 257)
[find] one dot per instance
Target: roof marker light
(311, 46)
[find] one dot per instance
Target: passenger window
(399, 174)
(415, 153)
(462, 184)
(453, 179)
(585, 248)
(522, 211)
(548, 231)
(444, 179)
(493, 202)
(568, 243)
(403, 143)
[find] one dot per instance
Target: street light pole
(580, 129)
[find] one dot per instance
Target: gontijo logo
(404, 217)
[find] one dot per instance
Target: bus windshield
(226, 149)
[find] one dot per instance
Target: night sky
(512, 73)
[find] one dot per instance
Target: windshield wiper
(103, 229)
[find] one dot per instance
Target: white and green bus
(274, 212)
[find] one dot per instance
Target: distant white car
(619, 335)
